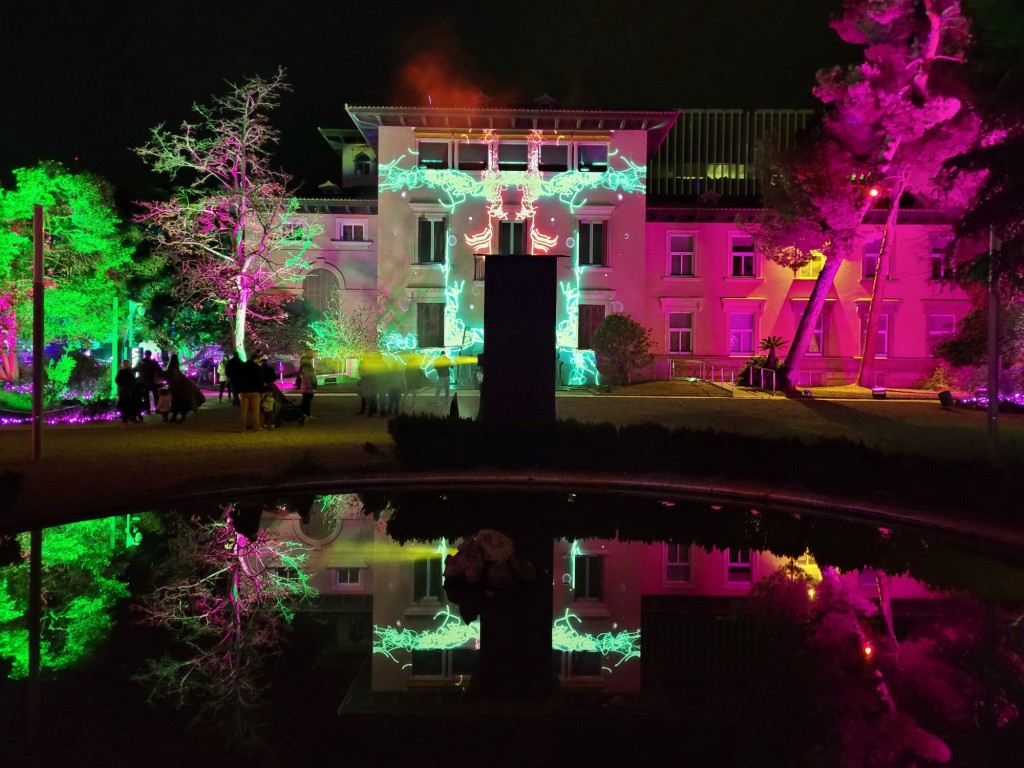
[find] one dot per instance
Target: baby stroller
(288, 412)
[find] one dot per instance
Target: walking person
(232, 368)
(223, 382)
(307, 384)
(443, 367)
(183, 391)
(128, 399)
(394, 387)
(371, 383)
(149, 373)
(247, 384)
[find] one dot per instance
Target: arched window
(364, 166)
(319, 287)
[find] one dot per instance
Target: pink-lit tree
(903, 113)
(232, 228)
(811, 210)
(893, 121)
(226, 600)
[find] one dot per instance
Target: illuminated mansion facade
(640, 211)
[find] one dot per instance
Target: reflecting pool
(510, 627)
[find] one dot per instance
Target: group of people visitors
(148, 387)
(252, 387)
(386, 383)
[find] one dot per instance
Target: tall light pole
(993, 346)
(35, 607)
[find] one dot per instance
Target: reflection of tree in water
(225, 593)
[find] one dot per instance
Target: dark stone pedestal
(515, 632)
(519, 338)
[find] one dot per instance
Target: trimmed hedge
(834, 466)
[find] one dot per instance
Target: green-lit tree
(232, 229)
(348, 328)
(621, 346)
(226, 600)
(82, 565)
(86, 258)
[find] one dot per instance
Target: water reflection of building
(621, 610)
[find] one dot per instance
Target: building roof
(369, 120)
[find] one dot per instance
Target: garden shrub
(833, 466)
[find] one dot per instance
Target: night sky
(84, 81)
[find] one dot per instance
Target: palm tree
(772, 344)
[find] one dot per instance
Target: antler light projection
(490, 186)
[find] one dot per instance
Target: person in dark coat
(183, 391)
(247, 381)
(306, 380)
(149, 374)
(129, 397)
(371, 382)
(232, 369)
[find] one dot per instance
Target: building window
(430, 324)
(680, 255)
(346, 576)
(592, 243)
(433, 155)
(882, 338)
(940, 328)
(446, 664)
(554, 158)
(319, 288)
(512, 237)
(426, 579)
(512, 156)
(584, 664)
(352, 233)
(741, 256)
(941, 258)
(590, 578)
(590, 316)
(680, 332)
(472, 156)
(592, 158)
(677, 563)
(816, 344)
(869, 265)
(363, 165)
(433, 233)
(738, 567)
(812, 268)
(741, 333)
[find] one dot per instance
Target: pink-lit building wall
(677, 266)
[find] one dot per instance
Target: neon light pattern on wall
(453, 633)
(565, 637)
(569, 187)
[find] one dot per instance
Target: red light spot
(868, 651)
(873, 192)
